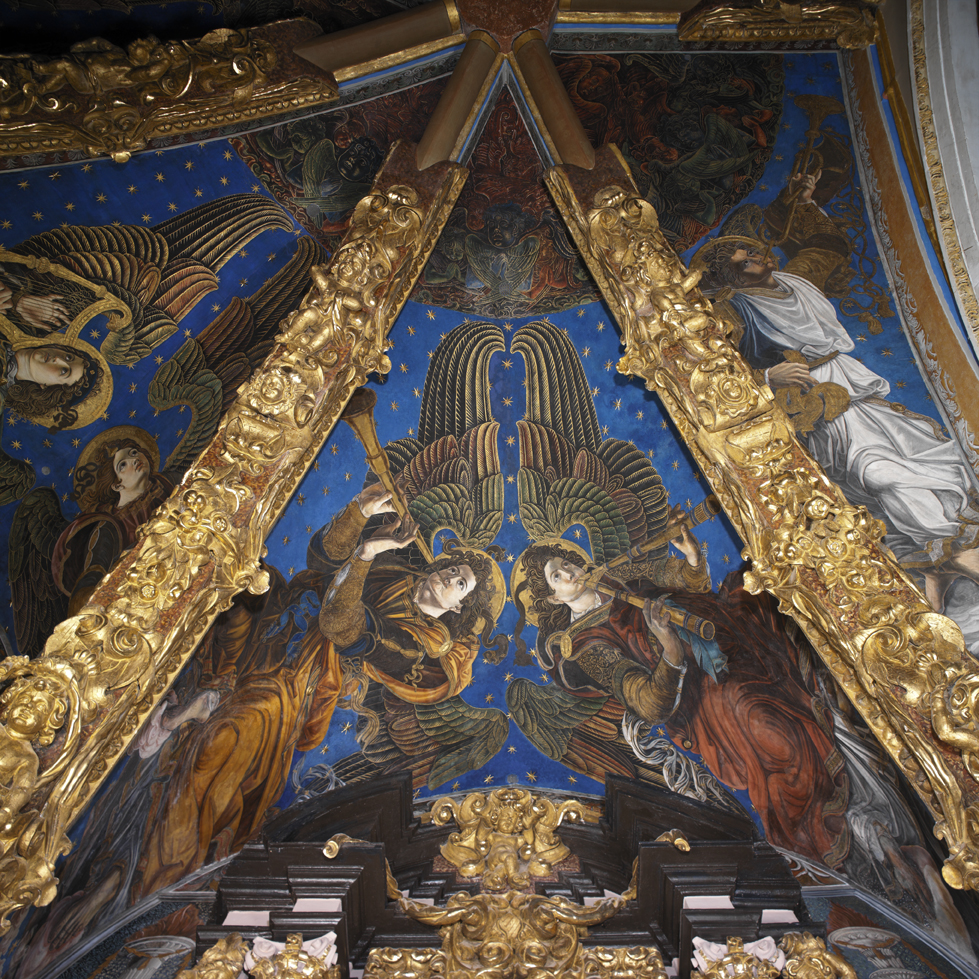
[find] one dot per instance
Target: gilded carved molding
(232, 957)
(66, 717)
(941, 208)
(104, 100)
(904, 666)
(850, 23)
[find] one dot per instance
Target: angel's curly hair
(551, 618)
(32, 400)
(478, 604)
(94, 482)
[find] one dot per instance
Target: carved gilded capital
(67, 716)
(850, 23)
(904, 666)
(110, 101)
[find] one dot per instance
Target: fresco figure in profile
(893, 461)
(633, 677)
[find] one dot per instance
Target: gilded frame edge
(104, 670)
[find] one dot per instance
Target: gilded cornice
(106, 101)
(941, 209)
(848, 23)
(69, 715)
(904, 666)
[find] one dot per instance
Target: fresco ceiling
(508, 423)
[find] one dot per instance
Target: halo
(93, 404)
(702, 256)
(139, 435)
(518, 574)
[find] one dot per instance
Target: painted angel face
(54, 365)
(752, 267)
(447, 588)
(564, 580)
(131, 468)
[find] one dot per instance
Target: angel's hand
(659, 624)
(689, 547)
(390, 537)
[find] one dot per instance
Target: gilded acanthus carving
(104, 99)
(68, 715)
(850, 23)
(808, 958)
(903, 665)
(506, 838)
(231, 957)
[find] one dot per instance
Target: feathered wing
(435, 742)
(17, 476)
(159, 273)
(38, 604)
(239, 339)
(452, 470)
(206, 372)
(589, 736)
(568, 474)
(185, 379)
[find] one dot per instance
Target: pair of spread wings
(161, 273)
(569, 476)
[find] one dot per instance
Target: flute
(678, 616)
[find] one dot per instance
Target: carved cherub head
(33, 710)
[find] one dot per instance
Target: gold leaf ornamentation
(904, 666)
(206, 542)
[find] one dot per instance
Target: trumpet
(359, 415)
(708, 507)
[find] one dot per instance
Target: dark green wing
(38, 605)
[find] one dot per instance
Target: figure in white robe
(893, 461)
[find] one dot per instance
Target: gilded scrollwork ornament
(68, 715)
(506, 838)
(808, 958)
(107, 100)
(903, 665)
(850, 23)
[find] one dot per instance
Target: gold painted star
(171, 206)
(215, 307)
(101, 198)
(585, 351)
(224, 181)
(510, 440)
(285, 540)
(572, 779)
(301, 499)
(198, 192)
(531, 776)
(5, 224)
(346, 726)
(508, 402)
(544, 678)
(24, 184)
(75, 443)
(69, 206)
(132, 388)
(189, 165)
(159, 177)
(15, 444)
(512, 518)
(94, 334)
(507, 677)
(132, 188)
(431, 314)
(271, 256)
(509, 558)
(411, 331)
(605, 430)
(617, 404)
(488, 779)
(87, 168)
(394, 405)
(146, 218)
(404, 368)
(676, 463)
(334, 449)
(38, 216)
(227, 154)
(508, 327)
(577, 534)
(488, 698)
